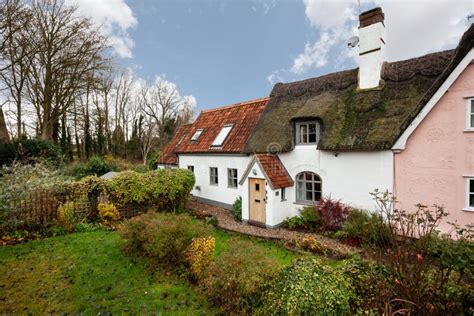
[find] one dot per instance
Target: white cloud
(115, 18)
(413, 28)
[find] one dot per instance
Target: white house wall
(349, 176)
(219, 193)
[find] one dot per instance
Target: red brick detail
(243, 116)
(275, 171)
(371, 17)
(169, 157)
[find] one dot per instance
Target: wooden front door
(257, 203)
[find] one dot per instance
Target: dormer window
(222, 136)
(197, 134)
(307, 132)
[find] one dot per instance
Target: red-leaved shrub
(333, 213)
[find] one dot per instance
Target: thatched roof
(352, 119)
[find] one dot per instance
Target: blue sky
(222, 52)
(219, 52)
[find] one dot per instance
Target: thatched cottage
(406, 127)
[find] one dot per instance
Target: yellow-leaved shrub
(200, 254)
(108, 212)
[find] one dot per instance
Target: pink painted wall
(438, 153)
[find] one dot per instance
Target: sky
(224, 52)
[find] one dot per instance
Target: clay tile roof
(275, 171)
(242, 116)
(169, 157)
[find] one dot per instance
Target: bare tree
(69, 51)
(14, 53)
(163, 103)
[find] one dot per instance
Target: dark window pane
(317, 196)
(312, 128)
(471, 185)
(471, 200)
(309, 195)
(312, 138)
(257, 187)
(309, 176)
(317, 186)
(309, 186)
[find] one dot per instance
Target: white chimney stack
(371, 48)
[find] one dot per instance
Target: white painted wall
(202, 163)
(350, 176)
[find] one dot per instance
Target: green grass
(88, 273)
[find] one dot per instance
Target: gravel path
(227, 222)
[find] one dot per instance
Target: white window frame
(314, 180)
(222, 136)
(197, 134)
(214, 176)
(298, 136)
(232, 181)
(470, 114)
(467, 194)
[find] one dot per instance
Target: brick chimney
(371, 48)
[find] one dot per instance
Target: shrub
(310, 243)
(333, 213)
(371, 285)
(439, 288)
(237, 209)
(108, 212)
(307, 287)
(293, 223)
(199, 254)
(167, 189)
(308, 219)
(162, 236)
(368, 229)
(29, 192)
(68, 216)
(96, 166)
(29, 151)
(234, 279)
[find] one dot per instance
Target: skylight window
(221, 137)
(197, 134)
(180, 140)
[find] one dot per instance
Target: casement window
(222, 136)
(470, 114)
(197, 134)
(283, 194)
(469, 194)
(191, 168)
(308, 187)
(214, 177)
(307, 132)
(232, 178)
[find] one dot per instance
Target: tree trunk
(47, 130)
(4, 136)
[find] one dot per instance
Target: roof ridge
(236, 104)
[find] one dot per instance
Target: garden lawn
(87, 273)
